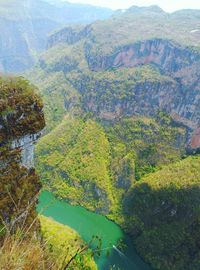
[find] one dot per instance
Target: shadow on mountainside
(165, 223)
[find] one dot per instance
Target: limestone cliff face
(21, 120)
(181, 99)
(26, 145)
(166, 55)
(182, 64)
(177, 93)
(68, 35)
(145, 98)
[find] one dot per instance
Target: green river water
(87, 224)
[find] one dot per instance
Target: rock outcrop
(26, 145)
(21, 120)
(180, 98)
(167, 55)
(68, 35)
(176, 91)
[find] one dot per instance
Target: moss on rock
(20, 114)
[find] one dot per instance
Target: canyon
(122, 137)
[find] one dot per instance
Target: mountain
(122, 103)
(163, 216)
(107, 64)
(26, 24)
(21, 120)
(23, 233)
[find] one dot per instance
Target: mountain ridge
(166, 53)
(27, 23)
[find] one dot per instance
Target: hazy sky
(168, 5)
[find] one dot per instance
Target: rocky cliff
(69, 35)
(176, 92)
(181, 99)
(122, 73)
(21, 120)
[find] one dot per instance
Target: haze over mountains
(25, 25)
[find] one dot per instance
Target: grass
(27, 254)
(66, 246)
(61, 248)
(42, 244)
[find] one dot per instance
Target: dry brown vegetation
(27, 254)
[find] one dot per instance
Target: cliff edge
(21, 121)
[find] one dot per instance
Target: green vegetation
(86, 163)
(56, 251)
(58, 97)
(94, 92)
(136, 26)
(20, 115)
(150, 142)
(64, 243)
(162, 213)
(77, 163)
(109, 147)
(104, 92)
(20, 108)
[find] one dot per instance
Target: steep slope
(94, 166)
(26, 24)
(156, 63)
(162, 213)
(82, 162)
(127, 88)
(21, 120)
(138, 79)
(126, 28)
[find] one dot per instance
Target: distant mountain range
(25, 25)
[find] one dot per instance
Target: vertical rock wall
(21, 121)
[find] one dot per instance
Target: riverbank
(88, 224)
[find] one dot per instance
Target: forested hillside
(124, 77)
(28, 241)
(123, 115)
(26, 24)
(162, 211)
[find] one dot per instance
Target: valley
(80, 219)
(124, 111)
(117, 162)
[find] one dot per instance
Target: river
(87, 224)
